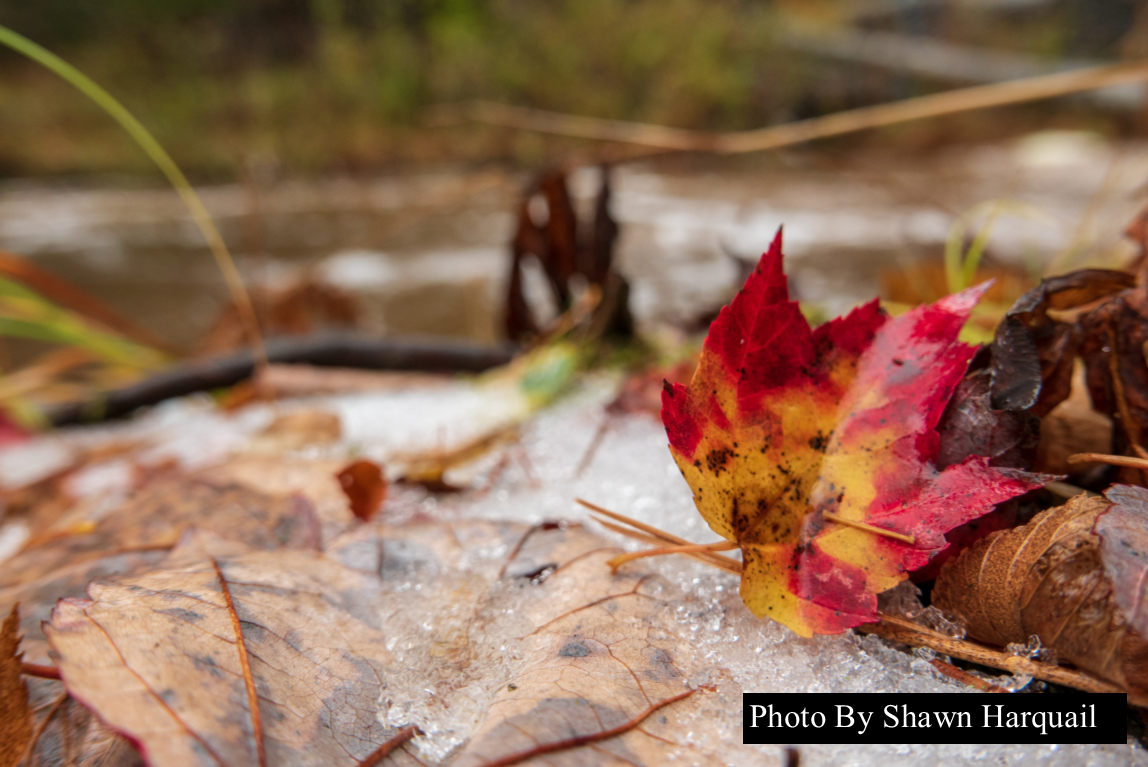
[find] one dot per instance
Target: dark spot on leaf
(717, 459)
(574, 650)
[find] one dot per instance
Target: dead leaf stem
(951, 671)
(909, 539)
(1114, 460)
(900, 630)
(396, 741)
(583, 740)
(245, 664)
(592, 448)
(663, 138)
(39, 671)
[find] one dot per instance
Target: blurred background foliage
(320, 86)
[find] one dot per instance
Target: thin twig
(39, 671)
(713, 560)
(1115, 460)
(592, 448)
(909, 539)
(898, 629)
(802, 131)
(245, 664)
(582, 740)
(397, 740)
(964, 677)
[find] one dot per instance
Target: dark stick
(346, 350)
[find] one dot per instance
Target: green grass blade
(156, 152)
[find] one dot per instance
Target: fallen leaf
(365, 486)
(1032, 353)
(505, 638)
(971, 426)
(314, 479)
(298, 429)
(1112, 346)
(15, 718)
(1070, 428)
(1008, 438)
(429, 468)
(1071, 577)
(158, 515)
(813, 450)
(304, 306)
(161, 658)
(1123, 533)
(601, 657)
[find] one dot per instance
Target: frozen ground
(631, 473)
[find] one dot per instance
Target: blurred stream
(427, 252)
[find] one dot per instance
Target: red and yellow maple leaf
(800, 443)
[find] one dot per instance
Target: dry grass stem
(662, 538)
(778, 136)
(1113, 460)
(691, 548)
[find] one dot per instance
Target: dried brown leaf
(1048, 579)
(1033, 353)
(158, 515)
(298, 429)
(600, 659)
(15, 718)
(1123, 532)
(159, 658)
(277, 475)
(598, 674)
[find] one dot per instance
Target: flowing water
(427, 252)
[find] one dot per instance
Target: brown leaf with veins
(1073, 577)
(156, 517)
(297, 429)
(159, 658)
(601, 659)
(588, 667)
(277, 475)
(15, 718)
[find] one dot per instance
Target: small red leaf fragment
(365, 487)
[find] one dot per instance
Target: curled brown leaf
(1052, 579)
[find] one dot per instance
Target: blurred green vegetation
(341, 84)
(315, 86)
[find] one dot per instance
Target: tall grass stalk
(161, 158)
